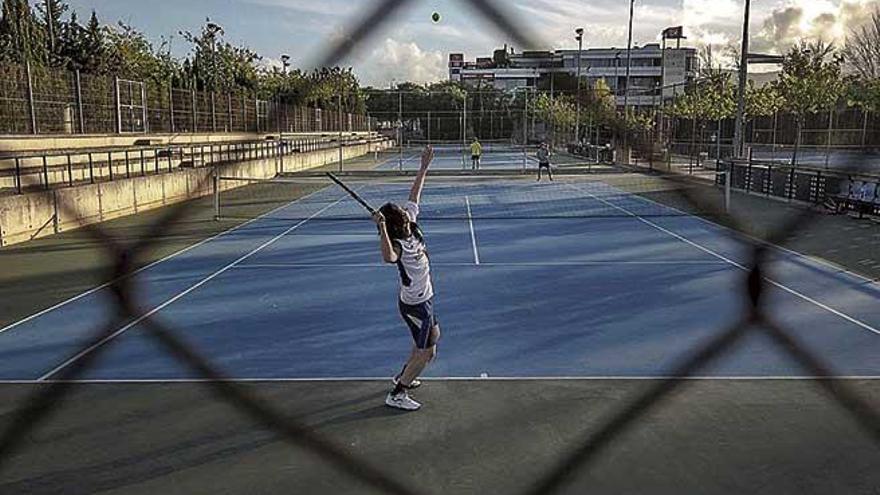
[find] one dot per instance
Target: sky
(410, 47)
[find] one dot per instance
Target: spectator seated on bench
(858, 196)
(866, 199)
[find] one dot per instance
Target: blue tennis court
(573, 278)
(457, 157)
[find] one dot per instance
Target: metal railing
(810, 186)
(67, 168)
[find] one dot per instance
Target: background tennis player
(476, 154)
(543, 156)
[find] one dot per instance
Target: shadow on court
(748, 436)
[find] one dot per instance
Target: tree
(862, 51)
(712, 97)
(21, 35)
(865, 94)
(862, 55)
(216, 64)
(92, 54)
(810, 82)
(557, 111)
(41, 35)
(51, 12)
(133, 56)
(762, 101)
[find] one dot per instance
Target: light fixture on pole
(212, 30)
(285, 62)
(577, 124)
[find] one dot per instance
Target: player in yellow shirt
(476, 154)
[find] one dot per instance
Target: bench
(862, 197)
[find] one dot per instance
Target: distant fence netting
(842, 128)
(37, 100)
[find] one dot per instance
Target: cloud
(401, 61)
(812, 19)
(782, 28)
(309, 7)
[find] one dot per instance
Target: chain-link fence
(129, 304)
(841, 130)
(37, 100)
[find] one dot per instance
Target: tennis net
(454, 196)
(489, 147)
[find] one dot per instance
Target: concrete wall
(29, 216)
(23, 144)
(76, 166)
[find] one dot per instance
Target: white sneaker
(402, 401)
(416, 383)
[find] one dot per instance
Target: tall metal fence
(38, 100)
(845, 128)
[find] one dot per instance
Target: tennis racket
(352, 193)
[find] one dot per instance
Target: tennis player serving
(402, 243)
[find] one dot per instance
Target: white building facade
(655, 73)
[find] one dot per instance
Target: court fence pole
(830, 137)
(216, 193)
(727, 184)
(339, 123)
(525, 130)
(400, 129)
(464, 132)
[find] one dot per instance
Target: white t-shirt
(413, 264)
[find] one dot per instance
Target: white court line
(385, 379)
(200, 283)
(470, 217)
(756, 240)
(151, 265)
(160, 261)
(734, 263)
(251, 266)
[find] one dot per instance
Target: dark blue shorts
(420, 319)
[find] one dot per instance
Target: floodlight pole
(526, 130)
(577, 123)
(739, 131)
(464, 132)
(632, 6)
(400, 128)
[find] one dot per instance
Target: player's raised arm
(415, 194)
(389, 255)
